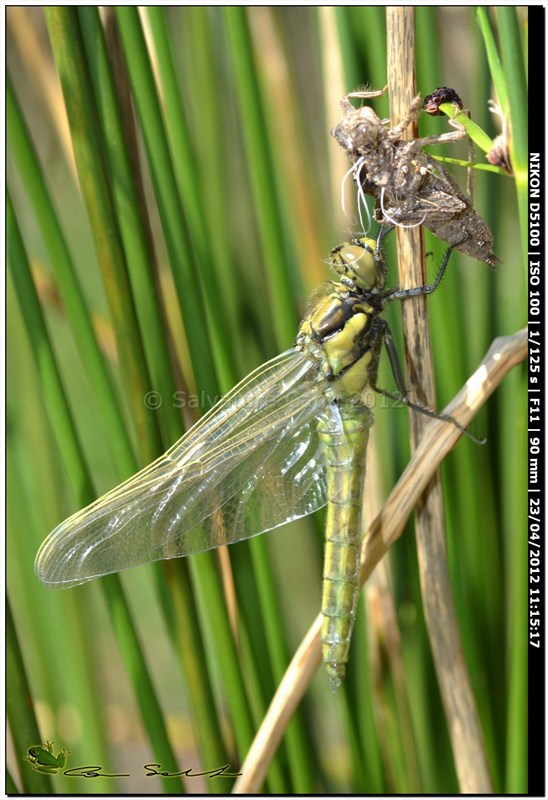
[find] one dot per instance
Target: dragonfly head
(359, 263)
(359, 131)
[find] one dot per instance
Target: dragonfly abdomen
(344, 453)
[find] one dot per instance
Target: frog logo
(42, 759)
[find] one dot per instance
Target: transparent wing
(252, 463)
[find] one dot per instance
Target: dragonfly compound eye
(357, 261)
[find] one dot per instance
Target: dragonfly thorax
(341, 333)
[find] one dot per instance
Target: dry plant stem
(438, 439)
(453, 678)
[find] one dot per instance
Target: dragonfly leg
(412, 115)
(442, 138)
(402, 395)
(360, 95)
(403, 294)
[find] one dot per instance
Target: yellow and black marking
(343, 329)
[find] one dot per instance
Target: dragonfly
(287, 440)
